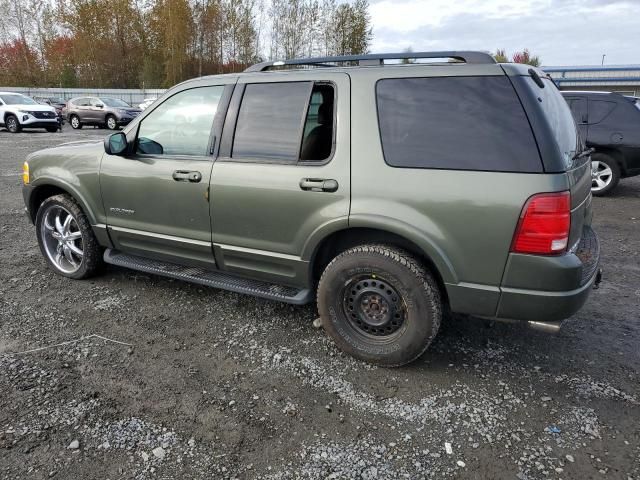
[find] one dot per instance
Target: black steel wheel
(379, 304)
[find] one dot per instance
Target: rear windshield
(456, 123)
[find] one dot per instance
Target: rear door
(83, 109)
(283, 172)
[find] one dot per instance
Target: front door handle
(319, 184)
(187, 176)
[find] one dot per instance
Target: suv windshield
(115, 102)
(17, 99)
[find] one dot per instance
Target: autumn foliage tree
(517, 57)
(158, 43)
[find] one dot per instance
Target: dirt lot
(210, 384)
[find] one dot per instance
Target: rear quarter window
(457, 123)
(561, 123)
(599, 110)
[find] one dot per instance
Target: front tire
(605, 174)
(379, 304)
(66, 239)
(75, 122)
(111, 122)
(12, 124)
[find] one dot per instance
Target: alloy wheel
(75, 122)
(601, 175)
(12, 124)
(111, 123)
(62, 239)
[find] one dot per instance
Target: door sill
(210, 278)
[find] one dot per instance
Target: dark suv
(609, 123)
(390, 193)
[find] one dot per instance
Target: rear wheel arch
(340, 241)
(617, 155)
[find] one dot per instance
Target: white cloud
(407, 15)
(560, 31)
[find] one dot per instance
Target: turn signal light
(25, 173)
(544, 225)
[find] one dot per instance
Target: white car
(18, 111)
(147, 102)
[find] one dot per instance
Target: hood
(34, 108)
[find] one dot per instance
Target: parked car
(58, 103)
(18, 111)
(147, 102)
(100, 111)
(389, 194)
(609, 123)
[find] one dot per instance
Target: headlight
(122, 112)
(25, 173)
(29, 112)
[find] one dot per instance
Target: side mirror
(116, 144)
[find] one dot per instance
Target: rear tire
(379, 304)
(76, 124)
(605, 174)
(12, 124)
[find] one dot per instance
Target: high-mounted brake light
(544, 225)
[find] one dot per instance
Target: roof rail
(374, 59)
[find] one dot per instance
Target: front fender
(85, 203)
(75, 169)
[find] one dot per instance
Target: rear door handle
(319, 184)
(187, 176)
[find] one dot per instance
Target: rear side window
(599, 110)
(559, 117)
(271, 121)
(578, 107)
(457, 123)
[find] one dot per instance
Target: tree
(518, 57)
(501, 56)
(526, 57)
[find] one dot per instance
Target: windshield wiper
(584, 153)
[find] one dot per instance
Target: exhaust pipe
(547, 327)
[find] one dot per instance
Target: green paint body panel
(251, 218)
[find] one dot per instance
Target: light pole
(603, 55)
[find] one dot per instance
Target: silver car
(101, 111)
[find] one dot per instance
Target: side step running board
(210, 278)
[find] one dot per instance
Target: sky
(561, 32)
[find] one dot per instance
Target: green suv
(390, 192)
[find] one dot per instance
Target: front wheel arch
(44, 191)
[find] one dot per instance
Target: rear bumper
(550, 288)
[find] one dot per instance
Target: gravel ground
(210, 384)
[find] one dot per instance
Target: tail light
(544, 225)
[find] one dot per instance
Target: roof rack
(375, 59)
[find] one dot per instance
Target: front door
(282, 177)
(157, 199)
